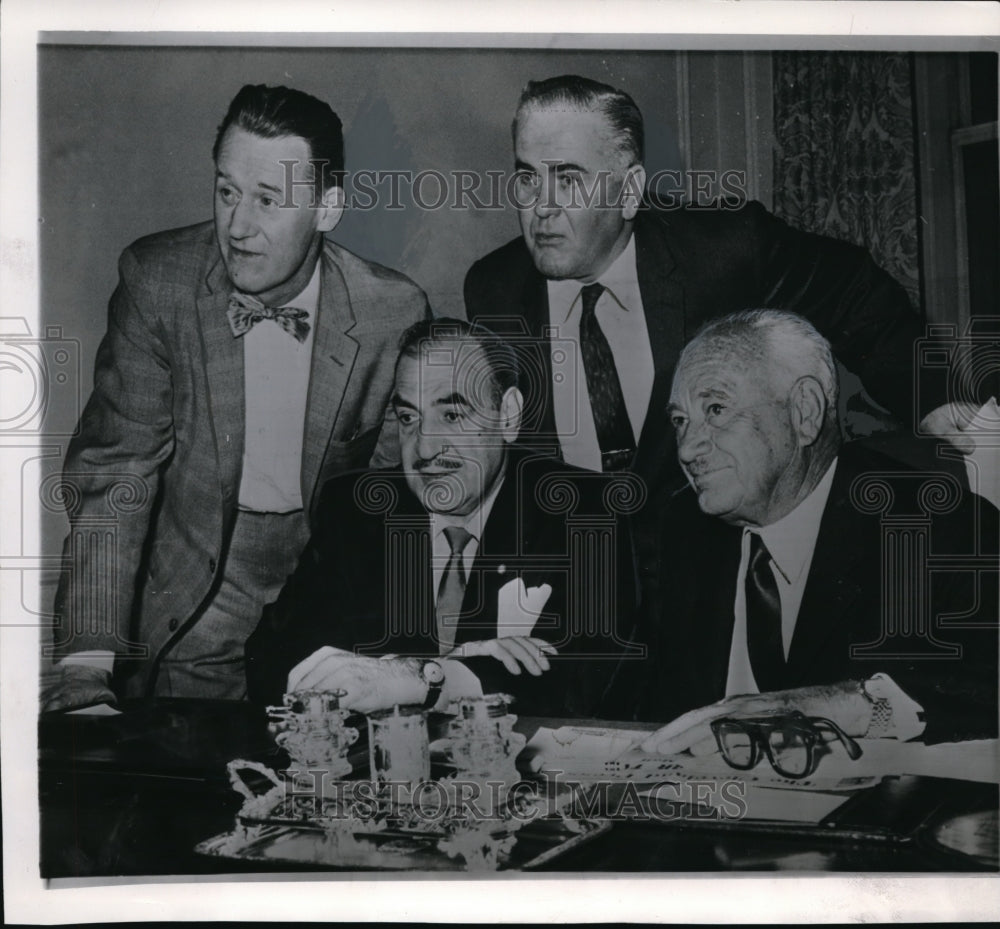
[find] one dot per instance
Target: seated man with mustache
(473, 549)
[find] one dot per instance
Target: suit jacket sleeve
(112, 469)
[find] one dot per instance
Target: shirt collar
(791, 540)
(308, 298)
(473, 523)
(620, 275)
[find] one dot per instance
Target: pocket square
(518, 607)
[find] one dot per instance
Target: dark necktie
(245, 311)
(614, 430)
(451, 593)
(767, 654)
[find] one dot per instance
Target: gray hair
(778, 340)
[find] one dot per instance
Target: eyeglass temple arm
(853, 749)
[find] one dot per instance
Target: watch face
(433, 673)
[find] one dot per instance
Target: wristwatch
(873, 690)
(432, 674)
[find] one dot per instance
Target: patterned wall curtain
(844, 153)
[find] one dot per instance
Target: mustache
(439, 461)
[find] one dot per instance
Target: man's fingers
(333, 673)
(304, 667)
(677, 736)
(72, 685)
(705, 746)
(513, 652)
(495, 649)
(530, 656)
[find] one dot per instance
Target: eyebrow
(453, 399)
(713, 392)
(221, 175)
(552, 166)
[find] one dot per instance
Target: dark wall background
(126, 133)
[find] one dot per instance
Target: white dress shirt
(473, 523)
(276, 375)
(276, 370)
(791, 542)
(622, 320)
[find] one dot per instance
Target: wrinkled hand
(514, 652)
(843, 703)
(368, 683)
(950, 422)
(71, 685)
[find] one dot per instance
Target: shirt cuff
(98, 658)
(895, 715)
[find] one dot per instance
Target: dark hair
(501, 359)
(570, 90)
(276, 112)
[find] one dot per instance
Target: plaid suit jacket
(152, 477)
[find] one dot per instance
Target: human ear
(511, 409)
(808, 406)
(331, 209)
(633, 188)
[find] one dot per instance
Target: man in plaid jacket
(245, 362)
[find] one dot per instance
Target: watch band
(880, 724)
(432, 674)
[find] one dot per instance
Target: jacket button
(211, 565)
(173, 624)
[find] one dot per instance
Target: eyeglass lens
(737, 746)
(789, 751)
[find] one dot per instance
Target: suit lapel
(535, 310)
(496, 560)
(224, 369)
(663, 304)
(333, 355)
(713, 622)
(840, 564)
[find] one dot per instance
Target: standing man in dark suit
(245, 362)
(800, 573)
(605, 289)
(473, 549)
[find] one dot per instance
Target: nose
(429, 445)
(693, 441)
(546, 204)
(241, 220)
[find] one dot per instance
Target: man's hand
(368, 683)
(843, 703)
(71, 685)
(950, 422)
(514, 652)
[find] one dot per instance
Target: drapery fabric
(844, 160)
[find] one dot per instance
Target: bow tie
(246, 311)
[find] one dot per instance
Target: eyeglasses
(792, 742)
